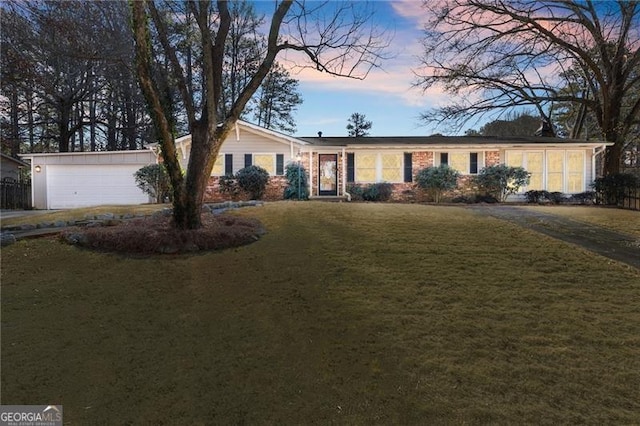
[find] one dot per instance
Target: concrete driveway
(6, 214)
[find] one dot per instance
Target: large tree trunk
(612, 159)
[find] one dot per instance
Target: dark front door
(328, 176)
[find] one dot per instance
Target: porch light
(38, 169)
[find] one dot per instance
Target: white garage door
(72, 186)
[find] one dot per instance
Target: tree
(358, 125)
(501, 55)
(276, 100)
(499, 181)
(519, 125)
(436, 180)
(340, 33)
(154, 181)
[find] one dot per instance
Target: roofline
(466, 146)
(254, 128)
(51, 154)
(17, 160)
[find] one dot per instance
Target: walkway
(613, 245)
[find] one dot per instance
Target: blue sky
(385, 97)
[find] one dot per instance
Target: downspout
(344, 175)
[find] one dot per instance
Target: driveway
(6, 214)
(613, 245)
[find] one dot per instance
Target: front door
(328, 176)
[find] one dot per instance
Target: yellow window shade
(515, 158)
(265, 161)
(459, 162)
(218, 167)
(366, 167)
(535, 167)
(392, 167)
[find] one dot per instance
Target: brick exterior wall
(402, 192)
(491, 158)
(273, 192)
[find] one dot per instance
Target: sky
(386, 96)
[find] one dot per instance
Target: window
(228, 164)
(391, 167)
(382, 167)
(218, 167)
(575, 171)
(366, 167)
(464, 162)
(555, 172)
(272, 163)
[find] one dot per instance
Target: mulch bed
(151, 235)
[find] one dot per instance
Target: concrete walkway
(621, 247)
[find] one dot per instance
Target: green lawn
(341, 314)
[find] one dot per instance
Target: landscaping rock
(7, 239)
(60, 224)
(105, 216)
(76, 238)
(44, 225)
(27, 227)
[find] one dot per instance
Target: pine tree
(358, 125)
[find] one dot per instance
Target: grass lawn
(627, 221)
(341, 314)
(81, 213)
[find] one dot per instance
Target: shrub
(356, 192)
(436, 180)
(253, 180)
(611, 189)
(154, 181)
(535, 196)
(228, 185)
(587, 197)
(378, 192)
(296, 179)
(499, 181)
(373, 192)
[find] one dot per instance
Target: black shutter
(248, 160)
(279, 164)
(351, 172)
(444, 158)
(408, 167)
(473, 163)
(228, 164)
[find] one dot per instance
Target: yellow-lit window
(392, 167)
(459, 161)
(575, 171)
(266, 162)
(535, 166)
(366, 167)
(555, 167)
(218, 167)
(515, 159)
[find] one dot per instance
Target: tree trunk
(612, 159)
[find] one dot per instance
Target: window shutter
(350, 167)
(408, 167)
(444, 158)
(473, 163)
(228, 164)
(279, 164)
(248, 160)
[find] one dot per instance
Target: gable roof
(273, 135)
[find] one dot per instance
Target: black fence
(630, 199)
(15, 195)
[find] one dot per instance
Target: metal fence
(15, 195)
(630, 199)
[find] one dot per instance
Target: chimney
(319, 134)
(545, 130)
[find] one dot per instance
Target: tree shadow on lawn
(156, 235)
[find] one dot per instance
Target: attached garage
(70, 180)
